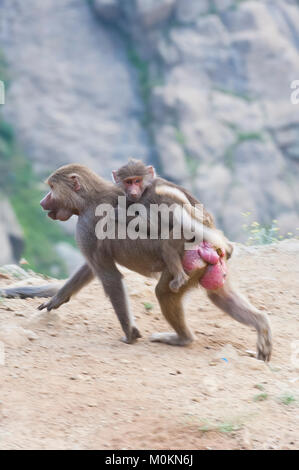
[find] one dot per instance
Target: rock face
(222, 119)
(212, 78)
(73, 96)
(11, 236)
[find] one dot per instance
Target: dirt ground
(67, 382)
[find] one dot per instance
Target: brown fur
(142, 256)
(154, 190)
(132, 168)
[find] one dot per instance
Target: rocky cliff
(200, 88)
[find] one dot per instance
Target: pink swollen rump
(208, 253)
(192, 260)
(214, 277)
(202, 255)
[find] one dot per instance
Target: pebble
(250, 353)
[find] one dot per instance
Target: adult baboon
(75, 190)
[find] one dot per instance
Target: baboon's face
(59, 202)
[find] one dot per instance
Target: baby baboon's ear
(151, 171)
(115, 178)
(75, 182)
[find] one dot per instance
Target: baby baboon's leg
(171, 250)
(228, 299)
(172, 309)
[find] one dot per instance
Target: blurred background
(199, 88)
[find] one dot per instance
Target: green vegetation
(266, 234)
(239, 2)
(191, 163)
(229, 427)
(19, 183)
(241, 137)
(260, 397)
(229, 92)
(148, 306)
(214, 11)
(224, 427)
(3, 70)
(146, 84)
(179, 137)
(287, 399)
(143, 74)
(261, 234)
(260, 387)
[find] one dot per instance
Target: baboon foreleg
(172, 309)
(228, 299)
(80, 279)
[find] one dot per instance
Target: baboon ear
(115, 178)
(151, 171)
(75, 181)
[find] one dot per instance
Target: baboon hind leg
(228, 299)
(172, 309)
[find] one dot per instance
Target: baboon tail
(24, 292)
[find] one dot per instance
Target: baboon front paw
(264, 346)
(171, 338)
(52, 304)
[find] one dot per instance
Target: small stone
(250, 353)
(31, 335)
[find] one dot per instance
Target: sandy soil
(67, 382)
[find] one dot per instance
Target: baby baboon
(140, 184)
